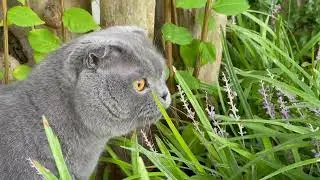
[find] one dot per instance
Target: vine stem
(5, 42)
(63, 30)
(174, 11)
(168, 16)
(204, 35)
(27, 4)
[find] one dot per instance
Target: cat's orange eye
(139, 85)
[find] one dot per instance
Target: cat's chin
(152, 119)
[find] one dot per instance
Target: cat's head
(116, 71)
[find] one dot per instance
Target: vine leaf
(21, 72)
(23, 16)
(43, 40)
(176, 34)
(231, 7)
(193, 83)
(1, 74)
(38, 57)
(208, 52)
(23, 2)
(189, 4)
(190, 52)
(78, 20)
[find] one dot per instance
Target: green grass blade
(150, 174)
(259, 22)
(135, 155)
(305, 95)
(117, 159)
(142, 170)
(292, 166)
(234, 79)
(307, 47)
(56, 151)
(177, 134)
(44, 172)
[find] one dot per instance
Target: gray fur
(85, 91)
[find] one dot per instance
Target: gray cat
(95, 87)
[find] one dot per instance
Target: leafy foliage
(78, 20)
(230, 7)
(43, 40)
(21, 72)
(23, 16)
(176, 34)
(188, 4)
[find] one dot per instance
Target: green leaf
(56, 151)
(21, 72)
(192, 82)
(202, 177)
(135, 154)
(23, 16)
(208, 52)
(190, 52)
(78, 20)
(292, 166)
(142, 170)
(38, 57)
(191, 139)
(176, 34)
(231, 7)
(1, 74)
(189, 4)
(43, 40)
(23, 2)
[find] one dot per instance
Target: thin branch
(63, 30)
(174, 13)
(5, 42)
(29, 6)
(204, 35)
(168, 15)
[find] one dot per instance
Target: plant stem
(175, 14)
(5, 42)
(204, 35)
(63, 30)
(168, 14)
(28, 5)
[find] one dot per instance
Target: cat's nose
(164, 96)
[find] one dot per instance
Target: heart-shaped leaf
(231, 7)
(21, 72)
(176, 34)
(23, 16)
(78, 20)
(43, 40)
(189, 4)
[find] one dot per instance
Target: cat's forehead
(138, 50)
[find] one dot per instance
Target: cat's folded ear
(94, 56)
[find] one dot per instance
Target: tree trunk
(128, 12)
